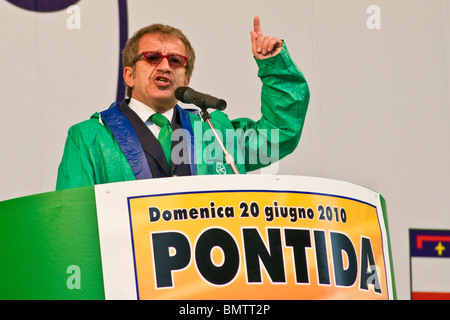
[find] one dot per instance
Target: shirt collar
(144, 112)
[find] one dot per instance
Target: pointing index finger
(257, 25)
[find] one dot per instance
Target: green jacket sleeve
(284, 102)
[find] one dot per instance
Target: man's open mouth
(162, 80)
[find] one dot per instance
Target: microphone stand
(228, 157)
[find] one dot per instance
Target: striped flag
(430, 264)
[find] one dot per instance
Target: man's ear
(128, 76)
(188, 79)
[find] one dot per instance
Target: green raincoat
(105, 148)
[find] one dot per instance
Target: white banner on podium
(243, 237)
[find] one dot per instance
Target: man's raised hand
(263, 46)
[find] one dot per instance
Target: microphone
(202, 100)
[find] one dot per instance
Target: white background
(379, 114)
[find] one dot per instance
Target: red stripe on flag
(430, 296)
(422, 239)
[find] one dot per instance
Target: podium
(238, 237)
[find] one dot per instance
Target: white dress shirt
(145, 112)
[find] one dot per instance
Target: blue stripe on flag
(429, 243)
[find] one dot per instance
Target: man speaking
(149, 136)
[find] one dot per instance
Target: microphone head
(179, 93)
(221, 104)
(189, 95)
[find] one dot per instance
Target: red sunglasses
(175, 60)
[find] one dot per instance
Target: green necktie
(165, 135)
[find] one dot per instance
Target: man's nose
(164, 64)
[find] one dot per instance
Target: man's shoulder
(96, 121)
(89, 130)
(93, 122)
